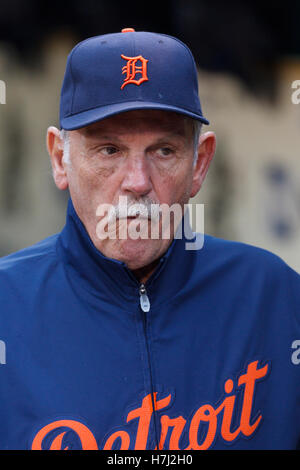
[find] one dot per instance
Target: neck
(143, 274)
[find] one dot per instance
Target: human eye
(164, 152)
(108, 150)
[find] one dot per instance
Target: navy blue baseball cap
(114, 73)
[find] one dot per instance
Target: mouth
(133, 217)
(135, 212)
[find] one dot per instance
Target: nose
(137, 179)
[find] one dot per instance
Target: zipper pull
(144, 299)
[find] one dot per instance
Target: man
(115, 341)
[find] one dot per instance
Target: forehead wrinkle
(147, 119)
(136, 128)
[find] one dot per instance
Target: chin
(139, 253)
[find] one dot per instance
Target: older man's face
(146, 156)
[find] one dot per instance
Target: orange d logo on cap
(131, 69)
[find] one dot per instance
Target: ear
(206, 151)
(55, 148)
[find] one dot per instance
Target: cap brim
(85, 118)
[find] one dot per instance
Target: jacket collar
(102, 276)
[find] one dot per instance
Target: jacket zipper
(145, 307)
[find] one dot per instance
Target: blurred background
(248, 56)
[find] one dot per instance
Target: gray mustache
(144, 210)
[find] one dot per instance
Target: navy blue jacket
(213, 364)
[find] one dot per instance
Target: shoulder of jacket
(246, 255)
(29, 257)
